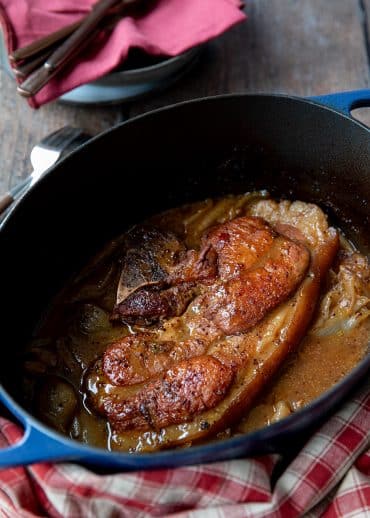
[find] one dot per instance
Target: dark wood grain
(22, 127)
(298, 47)
(365, 8)
(364, 114)
(304, 47)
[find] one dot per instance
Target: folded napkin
(170, 28)
(329, 478)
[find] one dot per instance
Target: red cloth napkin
(170, 28)
(329, 478)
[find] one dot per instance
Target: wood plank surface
(364, 6)
(21, 128)
(303, 47)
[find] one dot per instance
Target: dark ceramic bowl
(209, 147)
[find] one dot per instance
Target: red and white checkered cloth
(329, 478)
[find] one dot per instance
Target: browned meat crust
(240, 298)
(227, 252)
(239, 243)
(257, 270)
(150, 255)
(139, 357)
(158, 277)
(188, 388)
(147, 305)
(238, 304)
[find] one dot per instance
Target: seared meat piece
(150, 255)
(136, 358)
(240, 298)
(239, 243)
(253, 322)
(239, 303)
(158, 276)
(230, 250)
(196, 267)
(147, 305)
(188, 388)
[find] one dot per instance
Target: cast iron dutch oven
(308, 149)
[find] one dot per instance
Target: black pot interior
(292, 148)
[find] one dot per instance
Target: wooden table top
(303, 48)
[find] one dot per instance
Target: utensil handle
(5, 202)
(78, 37)
(345, 101)
(35, 447)
(24, 70)
(35, 82)
(43, 43)
(41, 76)
(14, 193)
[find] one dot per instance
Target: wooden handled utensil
(83, 33)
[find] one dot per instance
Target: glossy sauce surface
(77, 330)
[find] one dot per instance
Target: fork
(45, 154)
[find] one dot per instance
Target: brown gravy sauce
(77, 330)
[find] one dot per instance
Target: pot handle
(35, 446)
(345, 101)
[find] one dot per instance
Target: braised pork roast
(205, 321)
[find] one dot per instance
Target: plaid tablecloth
(330, 477)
